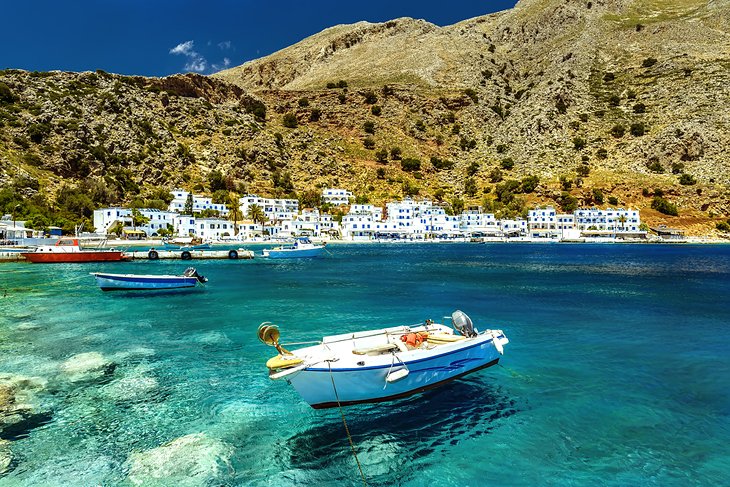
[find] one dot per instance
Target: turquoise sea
(618, 370)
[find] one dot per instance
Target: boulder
(194, 459)
(19, 408)
(6, 456)
(87, 366)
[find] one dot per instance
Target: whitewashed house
(336, 196)
(594, 221)
(105, 218)
(200, 203)
(474, 222)
(274, 209)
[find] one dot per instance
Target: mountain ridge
(614, 98)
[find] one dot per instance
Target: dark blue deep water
(618, 370)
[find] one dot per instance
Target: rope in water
(347, 430)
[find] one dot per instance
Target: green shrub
(579, 143)
(637, 129)
(470, 187)
(370, 98)
(507, 163)
(341, 97)
(560, 105)
(598, 196)
(290, 121)
(331, 85)
(315, 115)
(602, 153)
(609, 77)
(583, 170)
(472, 94)
(381, 155)
(677, 167)
(639, 108)
(304, 102)
(441, 164)
(687, 180)
(380, 172)
(529, 183)
(472, 168)
(369, 127)
(6, 94)
(614, 100)
(612, 200)
(664, 206)
(368, 143)
(649, 62)
(376, 110)
(395, 153)
(655, 166)
(410, 164)
(618, 131)
(420, 126)
(342, 84)
(496, 175)
(723, 226)
(568, 202)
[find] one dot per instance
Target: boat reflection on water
(415, 428)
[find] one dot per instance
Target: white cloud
(218, 67)
(224, 45)
(196, 62)
(185, 48)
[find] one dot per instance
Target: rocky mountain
(566, 102)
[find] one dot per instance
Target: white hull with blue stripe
(378, 365)
(142, 282)
(300, 248)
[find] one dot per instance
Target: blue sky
(161, 37)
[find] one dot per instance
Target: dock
(154, 254)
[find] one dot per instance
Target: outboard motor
(463, 324)
(191, 272)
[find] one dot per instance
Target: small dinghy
(302, 247)
(385, 364)
(144, 282)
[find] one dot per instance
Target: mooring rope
(347, 430)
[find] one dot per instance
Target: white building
(274, 209)
(213, 228)
(105, 218)
(608, 222)
(513, 228)
(200, 203)
(474, 222)
(336, 196)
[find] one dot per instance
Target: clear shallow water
(617, 373)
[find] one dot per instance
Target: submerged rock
(87, 366)
(190, 460)
(19, 408)
(6, 456)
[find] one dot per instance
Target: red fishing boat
(69, 250)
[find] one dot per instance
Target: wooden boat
(302, 247)
(69, 250)
(145, 282)
(383, 364)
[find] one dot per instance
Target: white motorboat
(145, 282)
(383, 364)
(302, 247)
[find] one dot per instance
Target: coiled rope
(347, 430)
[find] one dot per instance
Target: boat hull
(119, 282)
(74, 257)
(369, 385)
(294, 253)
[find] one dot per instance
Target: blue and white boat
(302, 247)
(384, 364)
(145, 282)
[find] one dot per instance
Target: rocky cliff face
(597, 99)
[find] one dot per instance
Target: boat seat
(380, 349)
(443, 338)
